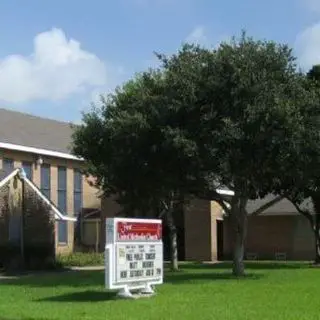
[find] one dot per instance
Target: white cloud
(198, 36)
(307, 46)
(57, 68)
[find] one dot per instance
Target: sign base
(125, 293)
(147, 290)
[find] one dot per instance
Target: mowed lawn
(271, 291)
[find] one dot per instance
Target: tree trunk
(316, 230)
(173, 241)
(239, 221)
(238, 255)
(317, 245)
(174, 249)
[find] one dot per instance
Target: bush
(37, 257)
(81, 259)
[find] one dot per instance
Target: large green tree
(247, 109)
(304, 190)
(236, 116)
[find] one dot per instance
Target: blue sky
(56, 56)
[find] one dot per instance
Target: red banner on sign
(139, 231)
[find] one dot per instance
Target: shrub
(37, 257)
(81, 259)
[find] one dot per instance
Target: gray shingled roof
(283, 207)
(32, 131)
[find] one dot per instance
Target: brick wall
(90, 194)
(268, 234)
(198, 229)
(109, 208)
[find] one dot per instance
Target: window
(62, 204)
(14, 228)
(77, 191)
(7, 166)
(27, 167)
(45, 180)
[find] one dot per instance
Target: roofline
(22, 175)
(9, 177)
(58, 214)
(43, 152)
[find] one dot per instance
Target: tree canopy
(236, 116)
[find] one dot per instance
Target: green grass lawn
(271, 291)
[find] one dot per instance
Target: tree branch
(305, 213)
(266, 206)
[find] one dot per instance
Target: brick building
(280, 232)
(41, 147)
(204, 232)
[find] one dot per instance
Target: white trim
(9, 177)
(225, 192)
(58, 214)
(39, 151)
(22, 175)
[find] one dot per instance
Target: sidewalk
(87, 268)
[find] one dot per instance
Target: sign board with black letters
(133, 255)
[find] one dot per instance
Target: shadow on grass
(181, 277)
(81, 279)
(85, 296)
(190, 272)
(27, 318)
(249, 265)
(74, 279)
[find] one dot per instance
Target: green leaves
(240, 114)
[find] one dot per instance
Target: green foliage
(37, 257)
(241, 116)
(80, 259)
(130, 146)
(314, 73)
(247, 110)
(307, 176)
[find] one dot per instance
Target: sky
(56, 57)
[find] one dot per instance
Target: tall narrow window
(45, 183)
(77, 191)
(62, 204)
(27, 167)
(14, 228)
(7, 165)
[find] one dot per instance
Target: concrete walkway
(87, 268)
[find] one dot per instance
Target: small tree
(134, 154)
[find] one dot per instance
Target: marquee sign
(133, 255)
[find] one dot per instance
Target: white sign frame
(113, 243)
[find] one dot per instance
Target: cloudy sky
(57, 56)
